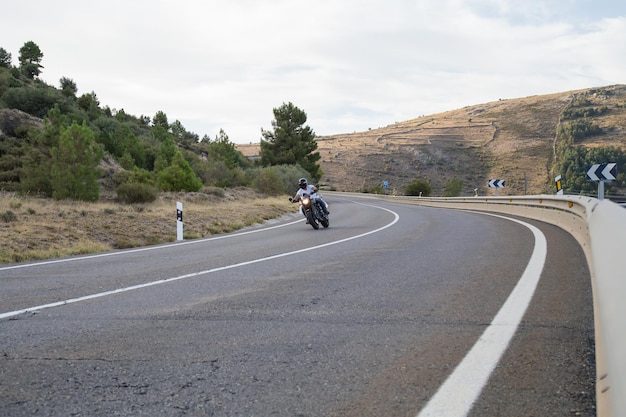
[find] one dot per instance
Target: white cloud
(350, 65)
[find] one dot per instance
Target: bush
(216, 173)
(453, 188)
(290, 176)
(268, 182)
(135, 192)
(8, 216)
(178, 176)
(35, 101)
(418, 187)
(374, 189)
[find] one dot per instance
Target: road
(394, 310)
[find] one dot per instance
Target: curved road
(395, 310)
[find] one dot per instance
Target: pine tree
(291, 142)
(75, 164)
(30, 59)
(36, 172)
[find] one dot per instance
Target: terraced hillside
(510, 139)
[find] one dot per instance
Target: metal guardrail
(600, 229)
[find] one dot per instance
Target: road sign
(602, 172)
(496, 183)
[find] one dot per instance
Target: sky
(350, 65)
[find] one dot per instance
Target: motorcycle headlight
(306, 201)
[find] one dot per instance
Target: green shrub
(453, 188)
(135, 175)
(178, 176)
(374, 189)
(268, 182)
(36, 101)
(418, 187)
(135, 192)
(290, 176)
(8, 216)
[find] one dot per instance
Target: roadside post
(179, 220)
(559, 185)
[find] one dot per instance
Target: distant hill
(511, 139)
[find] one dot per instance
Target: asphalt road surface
(394, 310)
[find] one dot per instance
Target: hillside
(509, 139)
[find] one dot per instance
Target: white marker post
(559, 185)
(179, 220)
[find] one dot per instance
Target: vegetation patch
(8, 217)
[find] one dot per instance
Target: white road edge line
(457, 395)
(208, 271)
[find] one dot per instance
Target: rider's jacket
(310, 190)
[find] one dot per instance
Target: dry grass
(36, 228)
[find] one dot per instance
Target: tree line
(572, 160)
(62, 158)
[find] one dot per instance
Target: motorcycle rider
(306, 188)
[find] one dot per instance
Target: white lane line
(208, 271)
(147, 248)
(461, 389)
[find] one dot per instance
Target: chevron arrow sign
(602, 172)
(496, 183)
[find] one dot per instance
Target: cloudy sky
(350, 65)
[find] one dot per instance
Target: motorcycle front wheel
(312, 220)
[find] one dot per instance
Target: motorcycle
(312, 211)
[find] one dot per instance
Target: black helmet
(303, 183)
